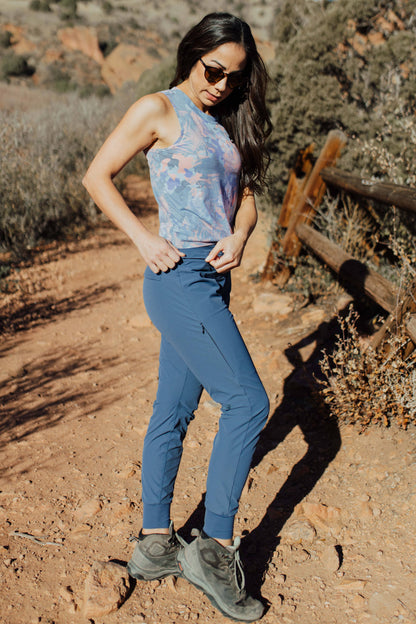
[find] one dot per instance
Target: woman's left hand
(227, 253)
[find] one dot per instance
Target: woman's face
(228, 57)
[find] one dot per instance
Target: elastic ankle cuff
(156, 516)
(219, 527)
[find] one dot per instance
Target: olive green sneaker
(218, 572)
(155, 556)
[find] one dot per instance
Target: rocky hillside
(99, 45)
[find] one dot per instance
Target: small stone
(139, 321)
(330, 558)
(106, 588)
(80, 531)
(128, 471)
(377, 512)
(302, 555)
(358, 602)
(193, 444)
(365, 511)
(348, 584)
(313, 316)
(321, 516)
(299, 531)
(171, 583)
(88, 509)
(68, 595)
(272, 303)
(382, 605)
(123, 508)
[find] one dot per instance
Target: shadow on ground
(302, 407)
(59, 384)
(30, 315)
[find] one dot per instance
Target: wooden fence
(307, 185)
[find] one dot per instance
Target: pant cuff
(156, 516)
(220, 527)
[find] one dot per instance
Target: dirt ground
(327, 516)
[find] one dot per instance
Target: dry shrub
(363, 386)
(347, 223)
(44, 154)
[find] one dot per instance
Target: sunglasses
(216, 74)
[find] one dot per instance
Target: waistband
(197, 252)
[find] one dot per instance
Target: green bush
(107, 7)
(14, 65)
(5, 39)
(99, 91)
(315, 86)
(58, 79)
(40, 5)
(156, 78)
(68, 9)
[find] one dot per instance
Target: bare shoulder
(155, 106)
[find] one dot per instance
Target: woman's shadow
(301, 406)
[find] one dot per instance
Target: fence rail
(306, 188)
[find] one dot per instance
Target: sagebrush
(365, 386)
(44, 154)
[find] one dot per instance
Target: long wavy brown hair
(243, 113)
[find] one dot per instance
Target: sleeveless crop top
(195, 181)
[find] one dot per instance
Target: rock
(382, 605)
(80, 531)
(88, 509)
(82, 39)
(321, 516)
(52, 55)
(24, 47)
(123, 508)
(125, 63)
(358, 602)
(140, 320)
(67, 594)
(354, 585)
(272, 303)
(129, 471)
(376, 38)
(365, 511)
(171, 583)
(312, 316)
(299, 531)
(330, 557)
(301, 555)
(106, 588)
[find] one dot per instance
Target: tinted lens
(213, 74)
(235, 80)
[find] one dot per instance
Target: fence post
(297, 180)
(313, 191)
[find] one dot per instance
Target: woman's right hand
(158, 253)
(147, 122)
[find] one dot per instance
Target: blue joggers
(201, 347)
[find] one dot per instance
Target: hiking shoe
(218, 572)
(154, 556)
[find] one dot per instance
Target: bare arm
(144, 123)
(228, 252)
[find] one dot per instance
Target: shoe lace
(236, 566)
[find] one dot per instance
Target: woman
(204, 141)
